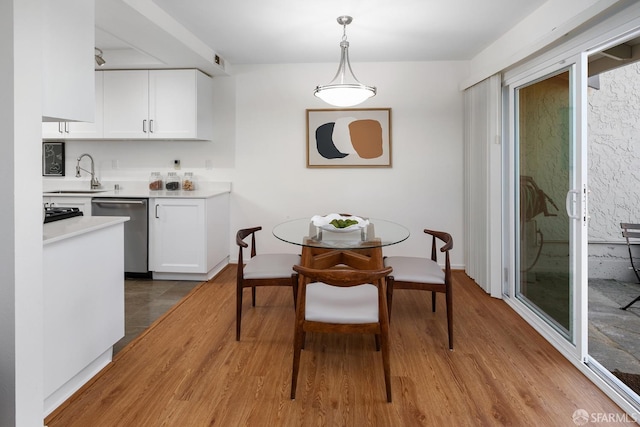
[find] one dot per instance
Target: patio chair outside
(631, 233)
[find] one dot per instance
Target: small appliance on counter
(55, 213)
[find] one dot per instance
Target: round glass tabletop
(376, 234)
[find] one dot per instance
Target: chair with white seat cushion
(261, 270)
(424, 274)
(342, 300)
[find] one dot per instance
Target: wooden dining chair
(342, 300)
(424, 274)
(261, 270)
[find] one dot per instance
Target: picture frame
(53, 158)
(349, 138)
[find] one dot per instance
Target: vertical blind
(483, 184)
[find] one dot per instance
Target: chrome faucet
(94, 181)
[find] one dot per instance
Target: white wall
(260, 144)
(21, 318)
(422, 189)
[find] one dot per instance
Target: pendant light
(344, 90)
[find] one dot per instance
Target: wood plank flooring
(188, 370)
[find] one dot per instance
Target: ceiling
(300, 31)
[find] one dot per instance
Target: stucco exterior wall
(613, 169)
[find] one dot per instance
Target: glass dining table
(362, 246)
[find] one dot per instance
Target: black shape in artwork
(324, 142)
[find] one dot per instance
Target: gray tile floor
(614, 334)
(145, 301)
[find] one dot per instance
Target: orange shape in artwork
(366, 137)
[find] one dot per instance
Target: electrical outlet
(114, 164)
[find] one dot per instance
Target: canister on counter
(173, 182)
(155, 181)
(188, 182)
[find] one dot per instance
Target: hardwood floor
(188, 370)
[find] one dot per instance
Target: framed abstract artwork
(349, 138)
(53, 159)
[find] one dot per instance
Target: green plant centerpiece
(343, 223)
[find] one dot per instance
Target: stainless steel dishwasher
(136, 230)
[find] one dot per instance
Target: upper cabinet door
(79, 130)
(172, 104)
(126, 104)
(94, 130)
(152, 104)
(68, 66)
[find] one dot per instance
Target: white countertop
(70, 227)
(138, 189)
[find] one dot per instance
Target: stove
(57, 213)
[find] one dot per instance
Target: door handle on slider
(568, 202)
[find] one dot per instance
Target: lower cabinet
(188, 238)
(83, 308)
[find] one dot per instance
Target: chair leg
(449, 298)
(389, 296)
(385, 362)
(433, 301)
(298, 341)
(630, 304)
(238, 310)
(253, 296)
(294, 286)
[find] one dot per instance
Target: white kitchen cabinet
(79, 130)
(157, 104)
(68, 60)
(54, 130)
(83, 203)
(188, 238)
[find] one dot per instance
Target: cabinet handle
(117, 202)
(66, 127)
(151, 126)
(157, 212)
(60, 127)
(144, 126)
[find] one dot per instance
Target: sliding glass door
(545, 153)
(546, 202)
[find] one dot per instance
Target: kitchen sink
(73, 191)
